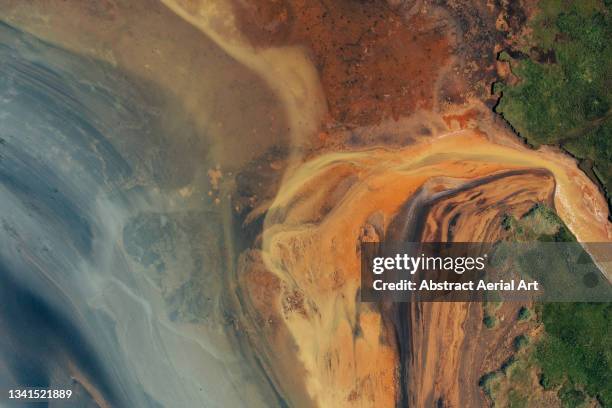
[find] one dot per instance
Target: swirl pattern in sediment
(187, 202)
(455, 186)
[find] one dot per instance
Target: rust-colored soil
(373, 63)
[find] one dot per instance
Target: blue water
(104, 270)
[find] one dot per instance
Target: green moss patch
(562, 96)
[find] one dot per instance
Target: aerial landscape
(189, 189)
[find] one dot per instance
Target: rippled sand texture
(188, 184)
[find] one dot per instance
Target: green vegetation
(520, 342)
(573, 357)
(508, 365)
(490, 382)
(561, 269)
(576, 353)
(541, 223)
(489, 321)
(515, 383)
(524, 313)
(572, 398)
(517, 400)
(562, 96)
(490, 308)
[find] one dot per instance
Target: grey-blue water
(111, 282)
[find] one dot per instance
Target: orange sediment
(372, 63)
(311, 243)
